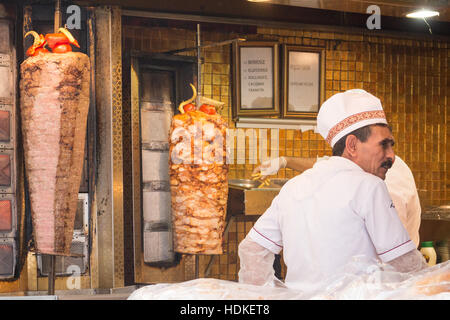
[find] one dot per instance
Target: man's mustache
(387, 164)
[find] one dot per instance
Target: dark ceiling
(338, 13)
(392, 8)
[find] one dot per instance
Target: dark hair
(362, 134)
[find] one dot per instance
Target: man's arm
(300, 164)
(389, 237)
(270, 167)
(256, 263)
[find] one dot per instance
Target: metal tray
(248, 184)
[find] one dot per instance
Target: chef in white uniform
(399, 181)
(336, 210)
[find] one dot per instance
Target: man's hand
(411, 261)
(270, 167)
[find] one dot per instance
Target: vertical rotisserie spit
(198, 179)
(54, 101)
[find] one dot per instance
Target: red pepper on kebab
(210, 106)
(38, 45)
(60, 42)
(189, 107)
(207, 108)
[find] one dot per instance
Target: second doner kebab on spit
(198, 178)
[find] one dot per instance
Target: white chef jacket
(327, 215)
(403, 191)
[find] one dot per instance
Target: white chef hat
(347, 111)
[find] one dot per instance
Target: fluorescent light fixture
(258, 0)
(423, 13)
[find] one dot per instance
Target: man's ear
(351, 144)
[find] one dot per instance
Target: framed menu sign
(255, 85)
(303, 81)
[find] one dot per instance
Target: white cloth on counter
(361, 278)
(327, 215)
(402, 188)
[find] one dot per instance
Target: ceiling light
(422, 14)
(258, 0)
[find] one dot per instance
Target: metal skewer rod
(51, 275)
(57, 19)
(196, 267)
(199, 67)
(222, 43)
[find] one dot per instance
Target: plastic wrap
(210, 289)
(360, 279)
(364, 279)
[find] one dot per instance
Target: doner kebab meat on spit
(198, 178)
(54, 102)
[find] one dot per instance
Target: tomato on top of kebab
(207, 108)
(59, 42)
(188, 106)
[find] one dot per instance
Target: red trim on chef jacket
(266, 237)
(392, 248)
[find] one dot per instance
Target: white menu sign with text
(257, 78)
(303, 81)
